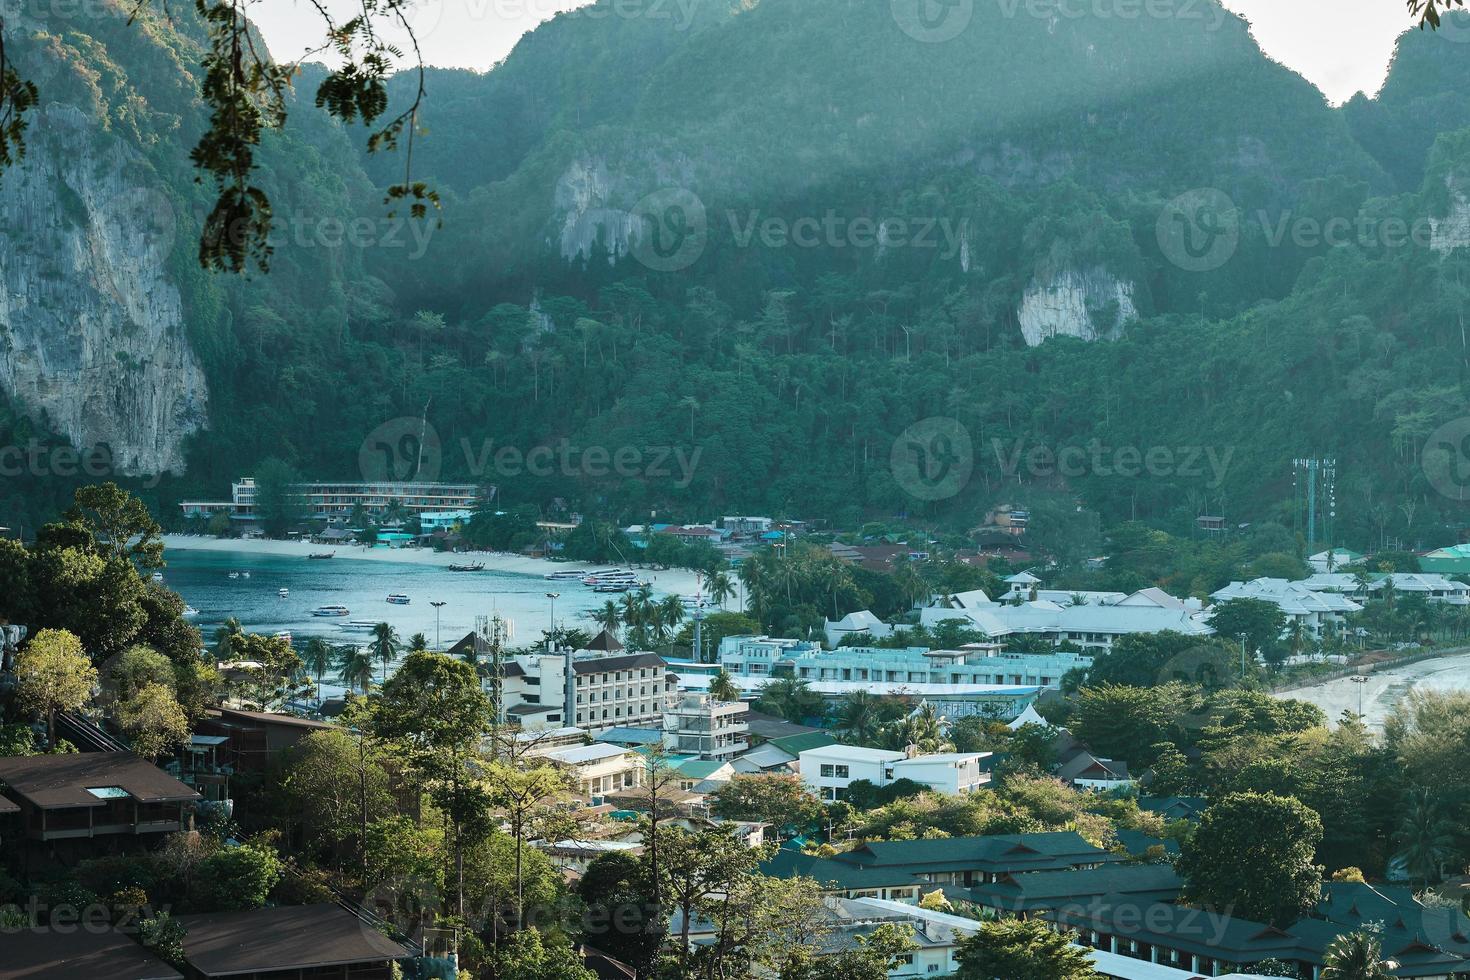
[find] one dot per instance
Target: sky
(1343, 46)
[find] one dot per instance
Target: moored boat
(358, 626)
(284, 593)
(399, 599)
(468, 568)
(331, 611)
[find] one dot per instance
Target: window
(827, 771)
(842, 772)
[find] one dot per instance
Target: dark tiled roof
(604, 642)
(1052, 889)
(603, 665)
(1137, 843)
(54, 782)
(772, 727)
(1174, 807)
(267, 718)
(79, 953)
(532, 709)
(302, 937)
(8, 807)
(995, 852)
(886, 863)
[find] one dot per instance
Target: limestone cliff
(92, 337)
(1090, 304)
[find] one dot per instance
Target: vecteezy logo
(142, 221)
(1199, 230)
(405, 450)
(933, 21)
(933, 459)
(1211, 667)
(1446, 459)
(670, 230)
(423, 17)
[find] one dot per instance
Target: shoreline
(1384, 689)
(679, 581)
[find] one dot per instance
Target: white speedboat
(158, 576)
(331, 611)
(399, 599)
(284, 593)
(234, 575)
(190, 611)
(358, 626)
(563, 576)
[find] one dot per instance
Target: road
(1386, 688)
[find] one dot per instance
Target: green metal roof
(797, 744)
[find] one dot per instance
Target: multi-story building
(979, 663)
(698, 724)
(600, 769)
(85, 803)
(334, 503)
(612, 688)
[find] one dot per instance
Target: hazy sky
(1343, 46)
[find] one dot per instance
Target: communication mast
(491, 635)
(1314, 484)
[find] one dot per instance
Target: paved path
(1386, 688)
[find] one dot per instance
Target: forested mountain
(1052, 230)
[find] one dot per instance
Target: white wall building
(600, 769)
(612, 689)
(830, 770)
(1313, 610)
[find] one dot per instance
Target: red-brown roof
(267, 718)
(301, 937)
(45, 954)
(55, 782)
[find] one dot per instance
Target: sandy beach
(1385, 689)
(676, 580)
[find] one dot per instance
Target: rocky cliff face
(92, 337)
(1091, 304)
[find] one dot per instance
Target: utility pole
(1242, 655)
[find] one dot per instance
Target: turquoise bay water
(202, 578)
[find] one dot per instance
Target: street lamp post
(551, 634)
(1359, 680)
(437, 606)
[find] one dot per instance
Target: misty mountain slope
(1421, 98)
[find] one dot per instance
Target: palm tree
(418, 643)
(721, 588)
(722, 687)
(790, 698)
(672, 612)
(224, 640)
(609, 617)
(356, 667)
(318, 657)
(860, 716)
(1355, 956)
(1426, 837)
(385, 645)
